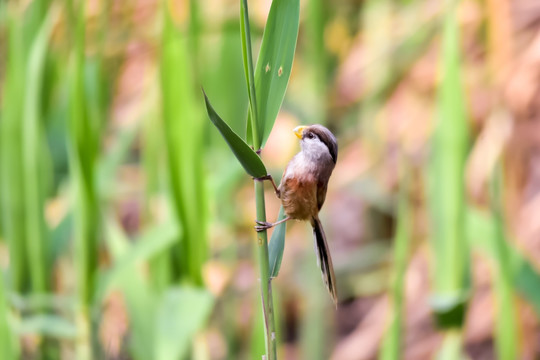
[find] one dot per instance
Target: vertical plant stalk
(392, 341)
(183, 141)
(264, 273)
(34, 156)
(12, 212)
(262, 237)
(506, 326)
(447, 194)
(83, 142)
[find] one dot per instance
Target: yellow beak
(298, 131)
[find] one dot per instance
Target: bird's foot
(269, 177)
(262, 225)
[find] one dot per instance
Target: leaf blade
(250, 161)
(275, 61)
(277, 245)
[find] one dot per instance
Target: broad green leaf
(250, 161)
(277, 245)
(275, 61)
(182, 312)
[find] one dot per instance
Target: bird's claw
(262, 226)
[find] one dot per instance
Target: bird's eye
(310, 135)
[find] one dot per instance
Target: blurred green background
(126, 227)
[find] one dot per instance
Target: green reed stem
(266, 284)
(262, 237)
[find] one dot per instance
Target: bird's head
(317, 141)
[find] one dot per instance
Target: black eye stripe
(325, 136)
(330, 145)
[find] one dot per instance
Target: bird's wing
(321, 193)
(280, 187)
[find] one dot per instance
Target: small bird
(303, 190)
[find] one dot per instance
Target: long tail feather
(324, 259)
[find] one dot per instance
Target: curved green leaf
(250, 161)
(275, 62)
(277, 244)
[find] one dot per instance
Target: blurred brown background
(127, 225)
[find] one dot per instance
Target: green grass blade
(11, 162)
(482, 235)
(224, 76)
(247, 56)
(181, 313)
(184, 125)
(446, 185)
(152, 149)
(315, 344)
(392, 341)
(277, 245)
(249, 160)
(506, 329)
(275, 62)
(34, 150)
(83, 152)
(84, 125)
